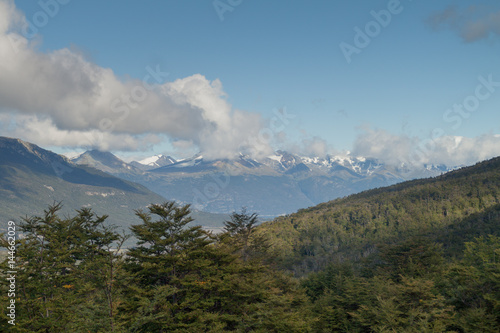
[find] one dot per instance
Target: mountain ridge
(275, 185)
(32, 178)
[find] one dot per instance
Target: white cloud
(466, 151)
(43, 132)
(311, 147)
(71, 97)
(449, 150)
(383, 145)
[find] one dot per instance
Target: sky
(402, 81)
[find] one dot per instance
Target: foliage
(463, 297)
(182, 279)
(65, 268)
(72, 277)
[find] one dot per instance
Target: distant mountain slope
(454, 207)
(273, 186)
(104, 161)
(31, 178)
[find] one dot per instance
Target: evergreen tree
(63, 266)
(181, 279)
(243, 232)
(169, 254)
(472, 285)
(415, 257)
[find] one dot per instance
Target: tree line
(73, 276)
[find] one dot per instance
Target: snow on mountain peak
(150, 160)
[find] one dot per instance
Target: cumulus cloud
(380, 144)
(471, 24)
(61, 98)
(440, 149)
(465, 151)
(43, 132)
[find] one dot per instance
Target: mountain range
(31, 178)
(275, 185)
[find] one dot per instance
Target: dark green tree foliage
(408, 306)
(65, 271)
(416, 257)
(421, 256)
(169, 255)
(241, 224)
(412, 289)
(472, 285)
(181, 279)
(241, 230)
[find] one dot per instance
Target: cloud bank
(62, 99)
(449, 150)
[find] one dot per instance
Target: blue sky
(269, 55)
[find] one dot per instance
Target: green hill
(452, 208)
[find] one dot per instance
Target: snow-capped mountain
(155, 161)
(104, 161)
(283, 161)
(277, 184)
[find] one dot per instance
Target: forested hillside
(421, 256)
(452, 208)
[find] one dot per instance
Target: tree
(242, 231)
(180, 278)
(169, 253)
(63, 270)
(415, 257)
(409, 306)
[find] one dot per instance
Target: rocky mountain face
(276, 185)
